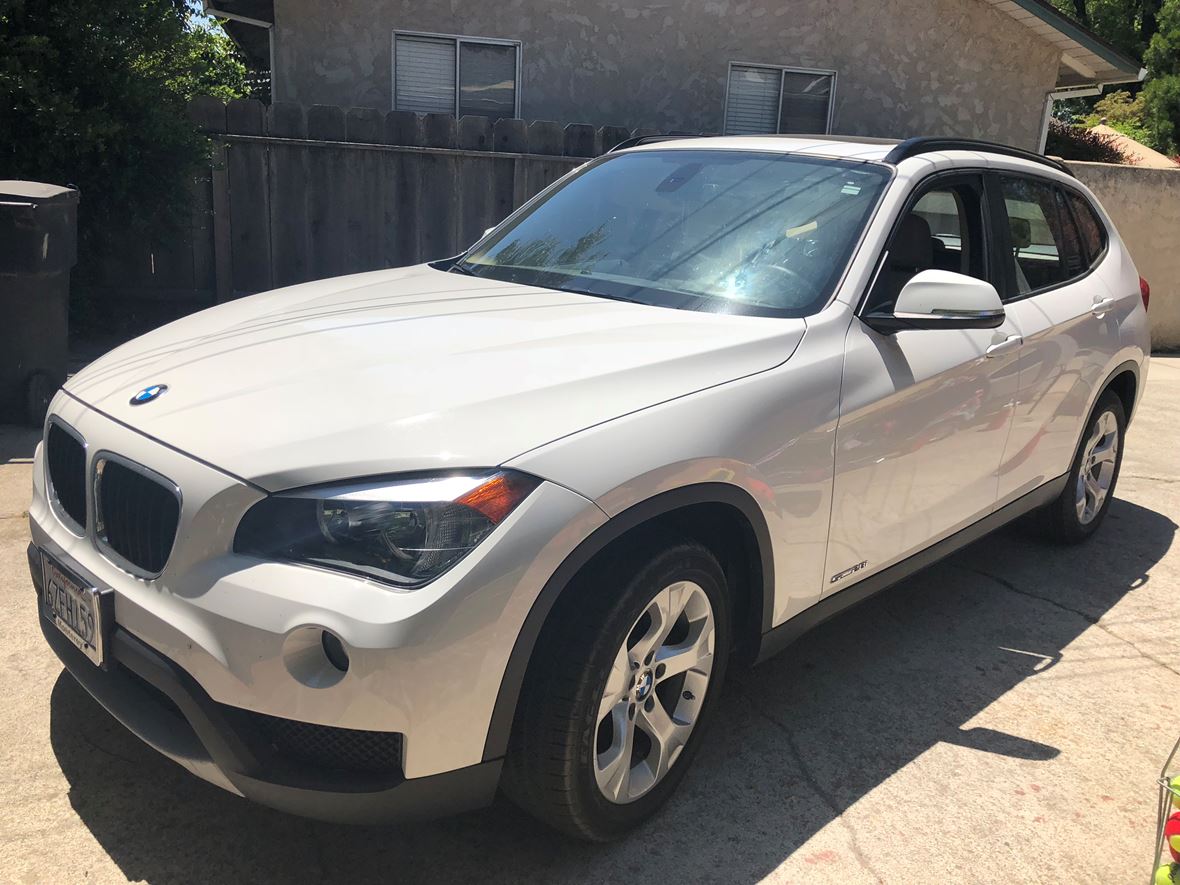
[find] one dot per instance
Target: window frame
(923, 186)
(781, 69)
(1010, 293)
(459, 40)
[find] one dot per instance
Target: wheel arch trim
(1131, 366)
(504, 712)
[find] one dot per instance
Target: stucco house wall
(904, 67)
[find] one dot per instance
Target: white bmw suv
(375, 547)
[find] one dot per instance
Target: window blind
(424, 74)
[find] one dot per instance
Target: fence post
(325, 122)
(245, 116)
(222, 257)
(207, 112)
(580, 140)
(363, 125)
(475, 133)
(609, 136)
(511, 136)
(285, 120)
(545, 137)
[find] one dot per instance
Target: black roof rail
(647, 139)
(913, 147)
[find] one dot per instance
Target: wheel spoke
(618, 681)
(1104, 455)
(667, 738)
(1108, 425)
(1095, 437)
(663, 611)
(614, 766)
(695, 653)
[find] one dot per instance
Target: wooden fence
(298, 194)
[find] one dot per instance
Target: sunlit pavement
(999, 718)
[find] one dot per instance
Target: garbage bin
(38, 246)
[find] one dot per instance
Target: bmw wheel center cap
(148, 394)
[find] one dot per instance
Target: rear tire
(582, 757)
(1089, 488)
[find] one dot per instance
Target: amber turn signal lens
(499, 496)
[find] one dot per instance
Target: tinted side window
(1090, 228)
(1046, 246)
(943, 230)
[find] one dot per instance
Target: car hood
(412, 369)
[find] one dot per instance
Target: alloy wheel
(654, 692)
(1097, 467)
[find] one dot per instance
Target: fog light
(334, 650)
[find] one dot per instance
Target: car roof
(858, 148)
(828, 146)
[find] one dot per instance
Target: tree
(94, 93)
(1120, 111)
(1161, 95)
(1147, 29)
(1126, 24)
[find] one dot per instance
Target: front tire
(1082, 505)
(624, 681)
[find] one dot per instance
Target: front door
(924, 414)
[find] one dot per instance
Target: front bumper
(428, 665)
(162, 705)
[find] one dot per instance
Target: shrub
(1079, 143)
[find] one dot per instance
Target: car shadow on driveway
(799, 740)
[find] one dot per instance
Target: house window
(762, 99)
(456, 75)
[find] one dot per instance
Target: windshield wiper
(608, 297)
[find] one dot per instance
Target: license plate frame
(83, 613)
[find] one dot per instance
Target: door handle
(1101, 307)
(1010, 343)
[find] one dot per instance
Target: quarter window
(765, 99)
(1091, 230)
(1046, 247)
(456, 75)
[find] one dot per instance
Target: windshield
(728, 231)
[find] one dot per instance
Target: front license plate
(75, 609)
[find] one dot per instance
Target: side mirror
(488, 231)
(940, 299)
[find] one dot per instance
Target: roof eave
(1122, 68)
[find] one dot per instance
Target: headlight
(405, 532)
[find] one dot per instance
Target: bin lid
(36, 192)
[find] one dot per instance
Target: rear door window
(1045, 245)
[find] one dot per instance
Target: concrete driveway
(1000, 718)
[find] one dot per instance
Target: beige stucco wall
(1145, 207)
(905, 67)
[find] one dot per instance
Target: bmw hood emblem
(148, 394)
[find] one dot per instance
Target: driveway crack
(814, 784)
(86, 739)
(1088, 618)
(1149, 478)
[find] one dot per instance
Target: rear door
(924, 413)
(1064, 311)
